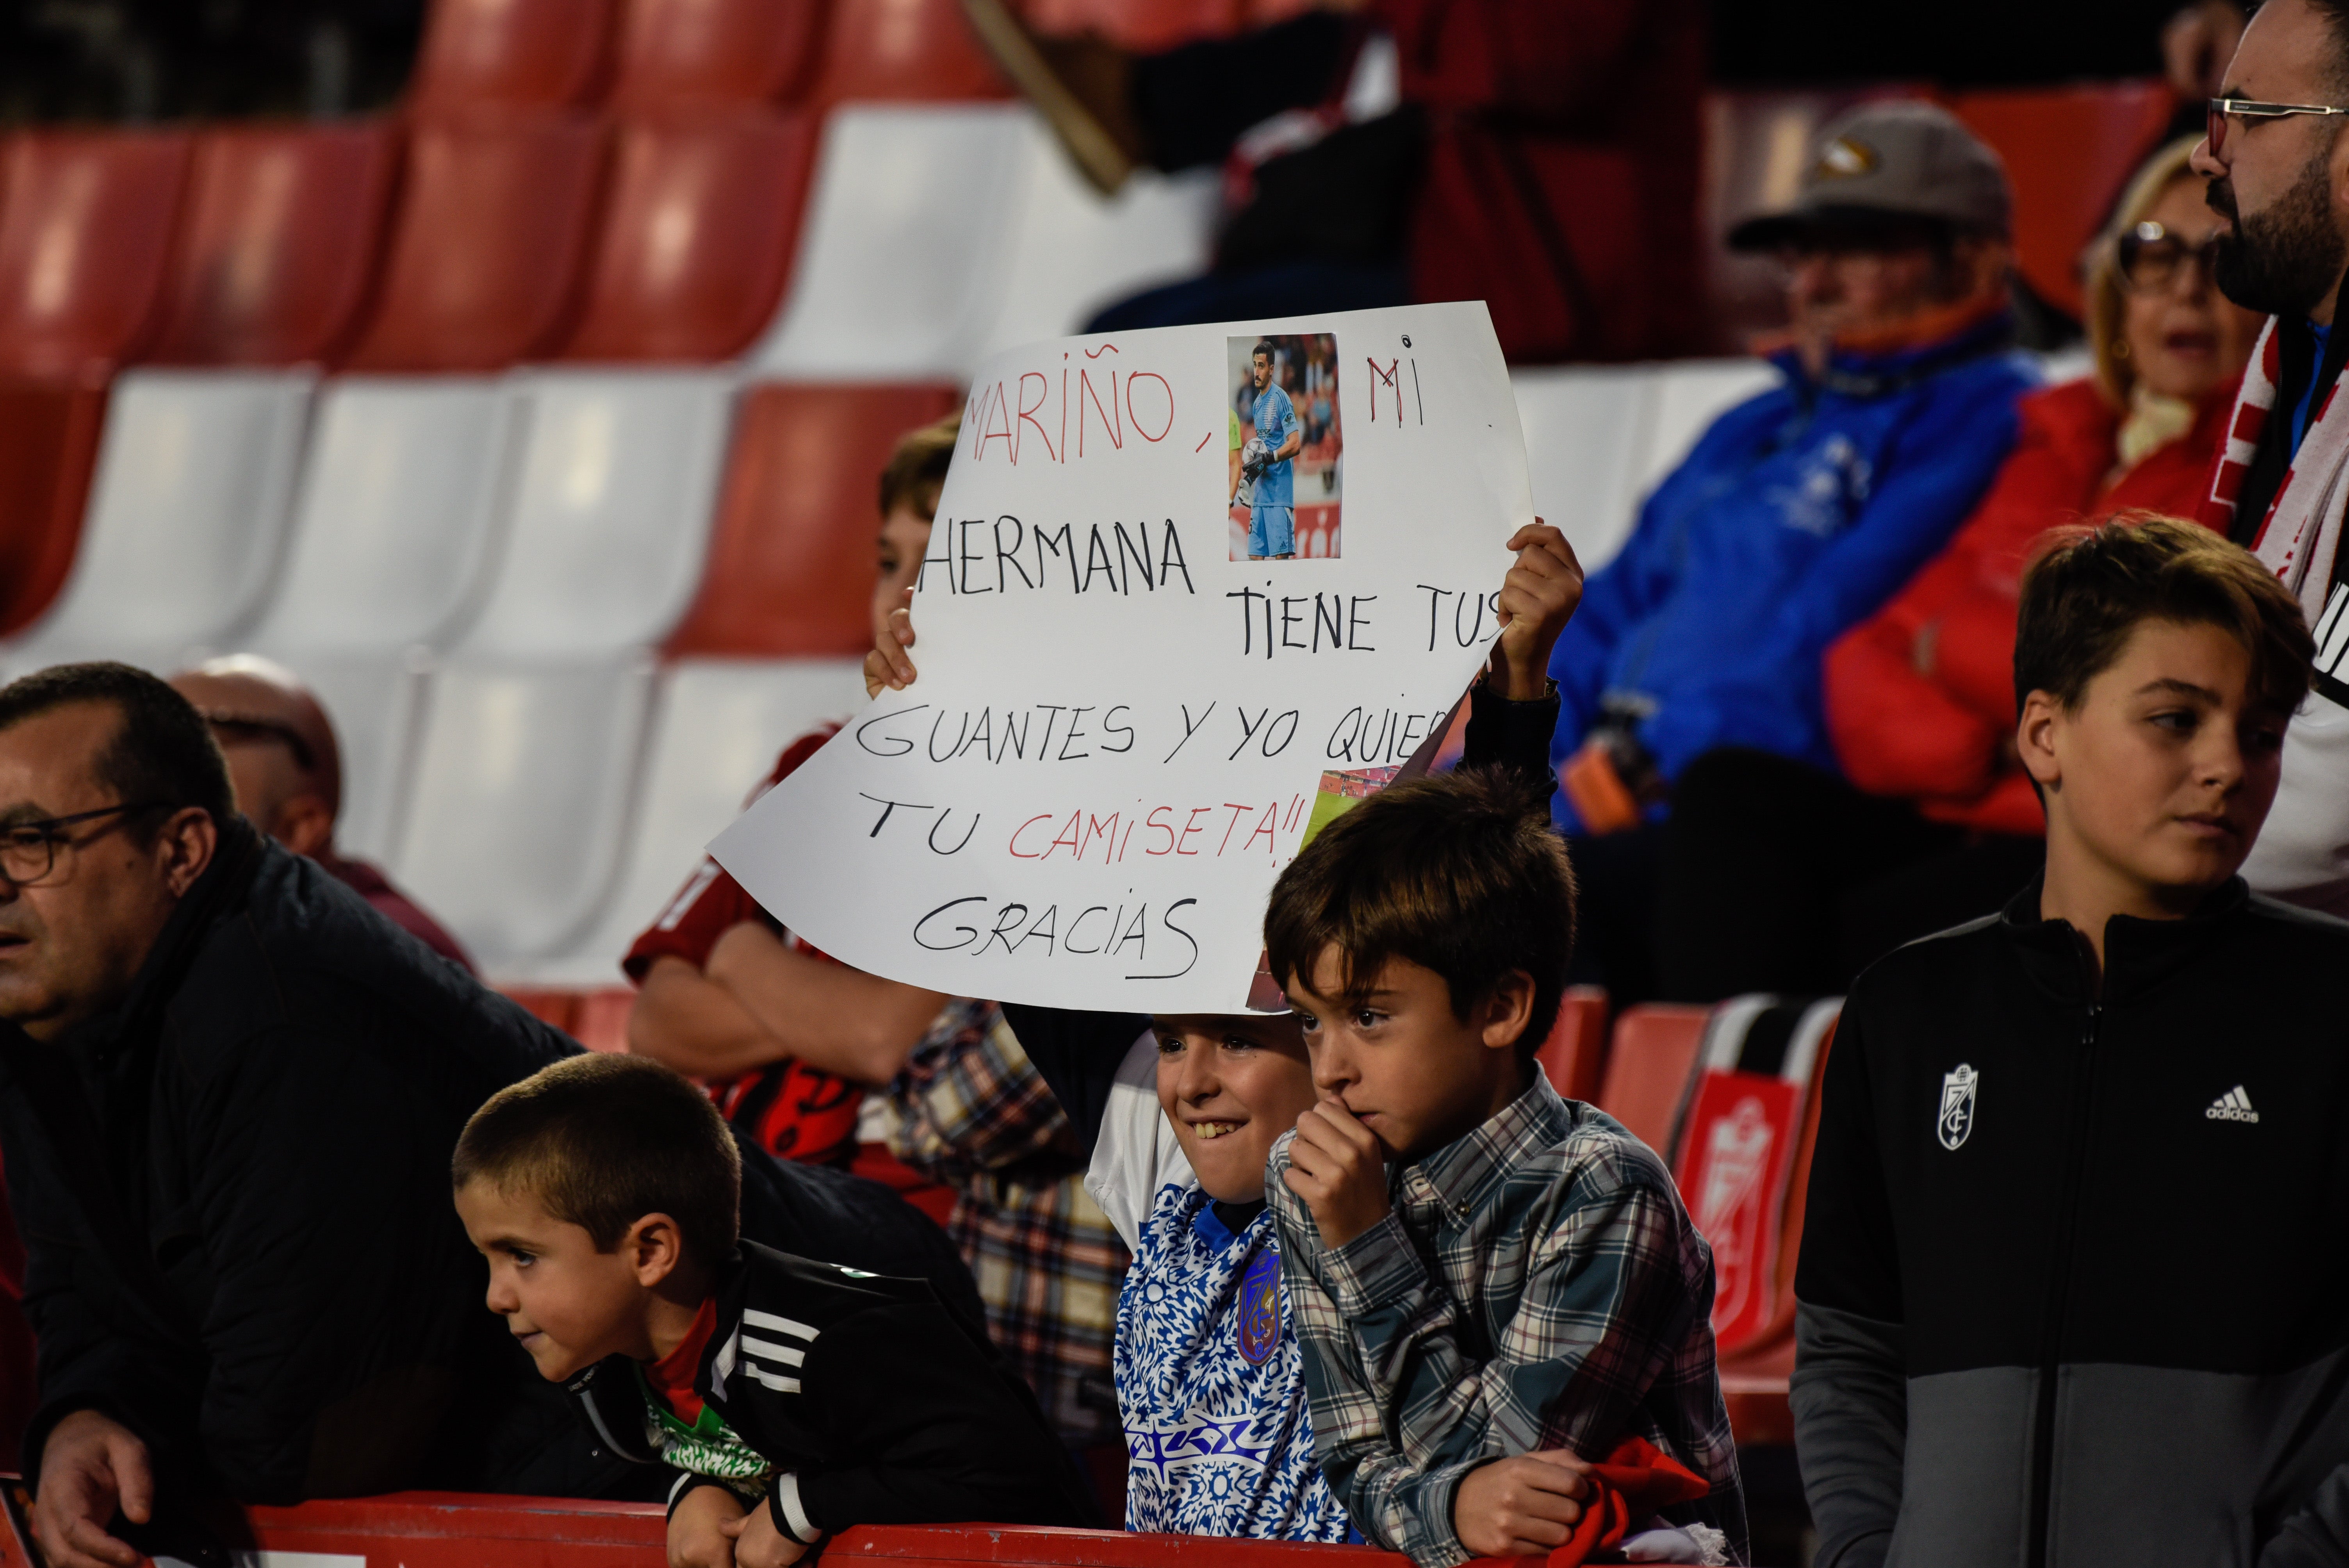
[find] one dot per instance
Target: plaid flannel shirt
(973, 1111)
(1536, 1285)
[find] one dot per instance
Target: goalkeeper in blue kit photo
(1267, 461)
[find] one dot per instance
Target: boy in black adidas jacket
(797, 1399)
(2073, 1286)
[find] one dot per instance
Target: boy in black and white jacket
(796, 1398)
(2068, 1290)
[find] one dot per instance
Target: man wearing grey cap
(1800, 510)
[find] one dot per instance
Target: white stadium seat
(186, 518)
(1072, 253)
(394, 522)
(372, 698)
(396, 514)
(519, 800)
(899, 265)
(1586, 432)
(718, 726)
(615, 487)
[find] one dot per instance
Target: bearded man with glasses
(229, 1094)
(2277, 164)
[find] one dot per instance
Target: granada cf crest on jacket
(1957, 1117)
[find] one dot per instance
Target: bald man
(287, 770)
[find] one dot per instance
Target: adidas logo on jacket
(2233, 1106)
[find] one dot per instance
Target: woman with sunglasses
(1919, 699)
(1920, 696)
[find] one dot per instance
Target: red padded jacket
(1921, 696)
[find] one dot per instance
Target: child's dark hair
(1460, 872)
(602, 1141)
(917, 470)
(2091, 587)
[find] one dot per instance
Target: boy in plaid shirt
(1495, 1288)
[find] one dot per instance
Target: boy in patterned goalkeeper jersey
(796, 1399)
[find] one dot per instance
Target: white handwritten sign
(1138, 688)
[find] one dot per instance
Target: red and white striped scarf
(2301, 531)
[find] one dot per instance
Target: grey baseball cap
(1883, 164)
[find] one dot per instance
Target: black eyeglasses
(2152, 258)
(2214, 128)
(233, 727)
(29, 850)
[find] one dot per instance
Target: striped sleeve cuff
(691, 1481)
(790, 1513)
(1374, 1268)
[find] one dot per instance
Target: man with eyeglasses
(229, 1094)
(287, 770)
(2276, 161)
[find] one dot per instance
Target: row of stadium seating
(485, 567)
(639, 55)
(564, 616)
(653, 53)
(481, 574)
(933, 233)
(468, 242)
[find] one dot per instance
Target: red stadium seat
(1647, 1067)
(278, 244)
(544, 53)
(85, 222)
(491, 240)
(49, 447)
(698, 236)
(1576, 1051)
(791, 561)
(1736, 1145)
(601, 1023)
(919, 49)
(548, 1005)
(2069, 150)
(1148, 26)
(1753, 1378)
(693, 53)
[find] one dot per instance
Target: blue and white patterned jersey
(1211, 1383)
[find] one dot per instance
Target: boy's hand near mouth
(1338, 1168)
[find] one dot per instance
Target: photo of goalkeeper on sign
(1283, 477)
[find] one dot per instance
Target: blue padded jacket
(1799, 511)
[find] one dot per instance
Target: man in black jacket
(2071, 1288)
(229, 1090)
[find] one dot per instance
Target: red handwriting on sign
(1387, 375)
(1229, 827)
(1029, 417)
